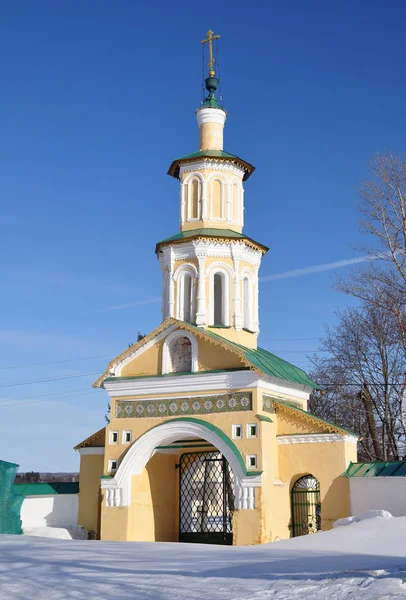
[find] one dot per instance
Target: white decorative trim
(279, 387)
(118, 488)
(278, 482)
(166, 359)
(111, 434)
(249, 435)
(212, 164)
(314, 438)
(179, 277)
(91, 450)
(234, 432)
(214, 248)
(124, 441)
(202, 382)
(210, 115)
(251, 461)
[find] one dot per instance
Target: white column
(201, 253)
(204, 200)
(256, 303)
(228, 202)
(182, 202)
(242, 205)
(171, 295)
(238, 321)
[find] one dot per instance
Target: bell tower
(210, 268)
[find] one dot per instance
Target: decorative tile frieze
(267, 404)
(174, 407)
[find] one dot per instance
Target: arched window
(165, 297)
(218, 294)
(216, 200)
(246, 304)
(186, 305)
(194, 197)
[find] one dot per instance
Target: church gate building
(210, 439)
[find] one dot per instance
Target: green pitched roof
(207, 232)
(175, 165)
(376, 469)
(268, 363)
(46, 489)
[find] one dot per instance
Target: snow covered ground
(364, 560)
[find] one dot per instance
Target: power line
(14, 383)
(54, 362)
(13, 404)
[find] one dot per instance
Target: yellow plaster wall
(210, 356)
(270, 467)
(147, 363)
(246, 527)
(91, 467)
(326, 461)
(211, 136)
(154, 501)
(114, 522)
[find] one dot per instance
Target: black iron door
(206, 498)
(306, 507)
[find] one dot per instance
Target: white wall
(371, 493)
(60, 510)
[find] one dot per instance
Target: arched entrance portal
(217, 483)
(206, 498)
(306, 507)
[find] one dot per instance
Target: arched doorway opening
(148, 479)
(306, 506)
(206, 498)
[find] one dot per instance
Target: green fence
(10, 503)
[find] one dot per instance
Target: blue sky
(97, 99)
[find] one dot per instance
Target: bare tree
(364, 368)
(362, 372)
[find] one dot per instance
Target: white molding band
(118, 488)
(210, 115)
(91, 450)
(314, 438)
(205, 382)
(201, 382)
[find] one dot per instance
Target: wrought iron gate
(306, 507)
(206, 498)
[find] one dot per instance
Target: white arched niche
(219, 299)
(179, 353)
(118, 488)
(185, 277)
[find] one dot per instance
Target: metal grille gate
(306, 507)
(206, 498)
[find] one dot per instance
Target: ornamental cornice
(213, 165)
(315, 438)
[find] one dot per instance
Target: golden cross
(210, 38)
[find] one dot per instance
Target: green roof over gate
(46, 489)
(209, 232)
(175, 165)
(376, 469)
(268, 363)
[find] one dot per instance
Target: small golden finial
(210, 38)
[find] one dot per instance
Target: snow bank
(346, 521)
(377, 514)
(366, 561)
